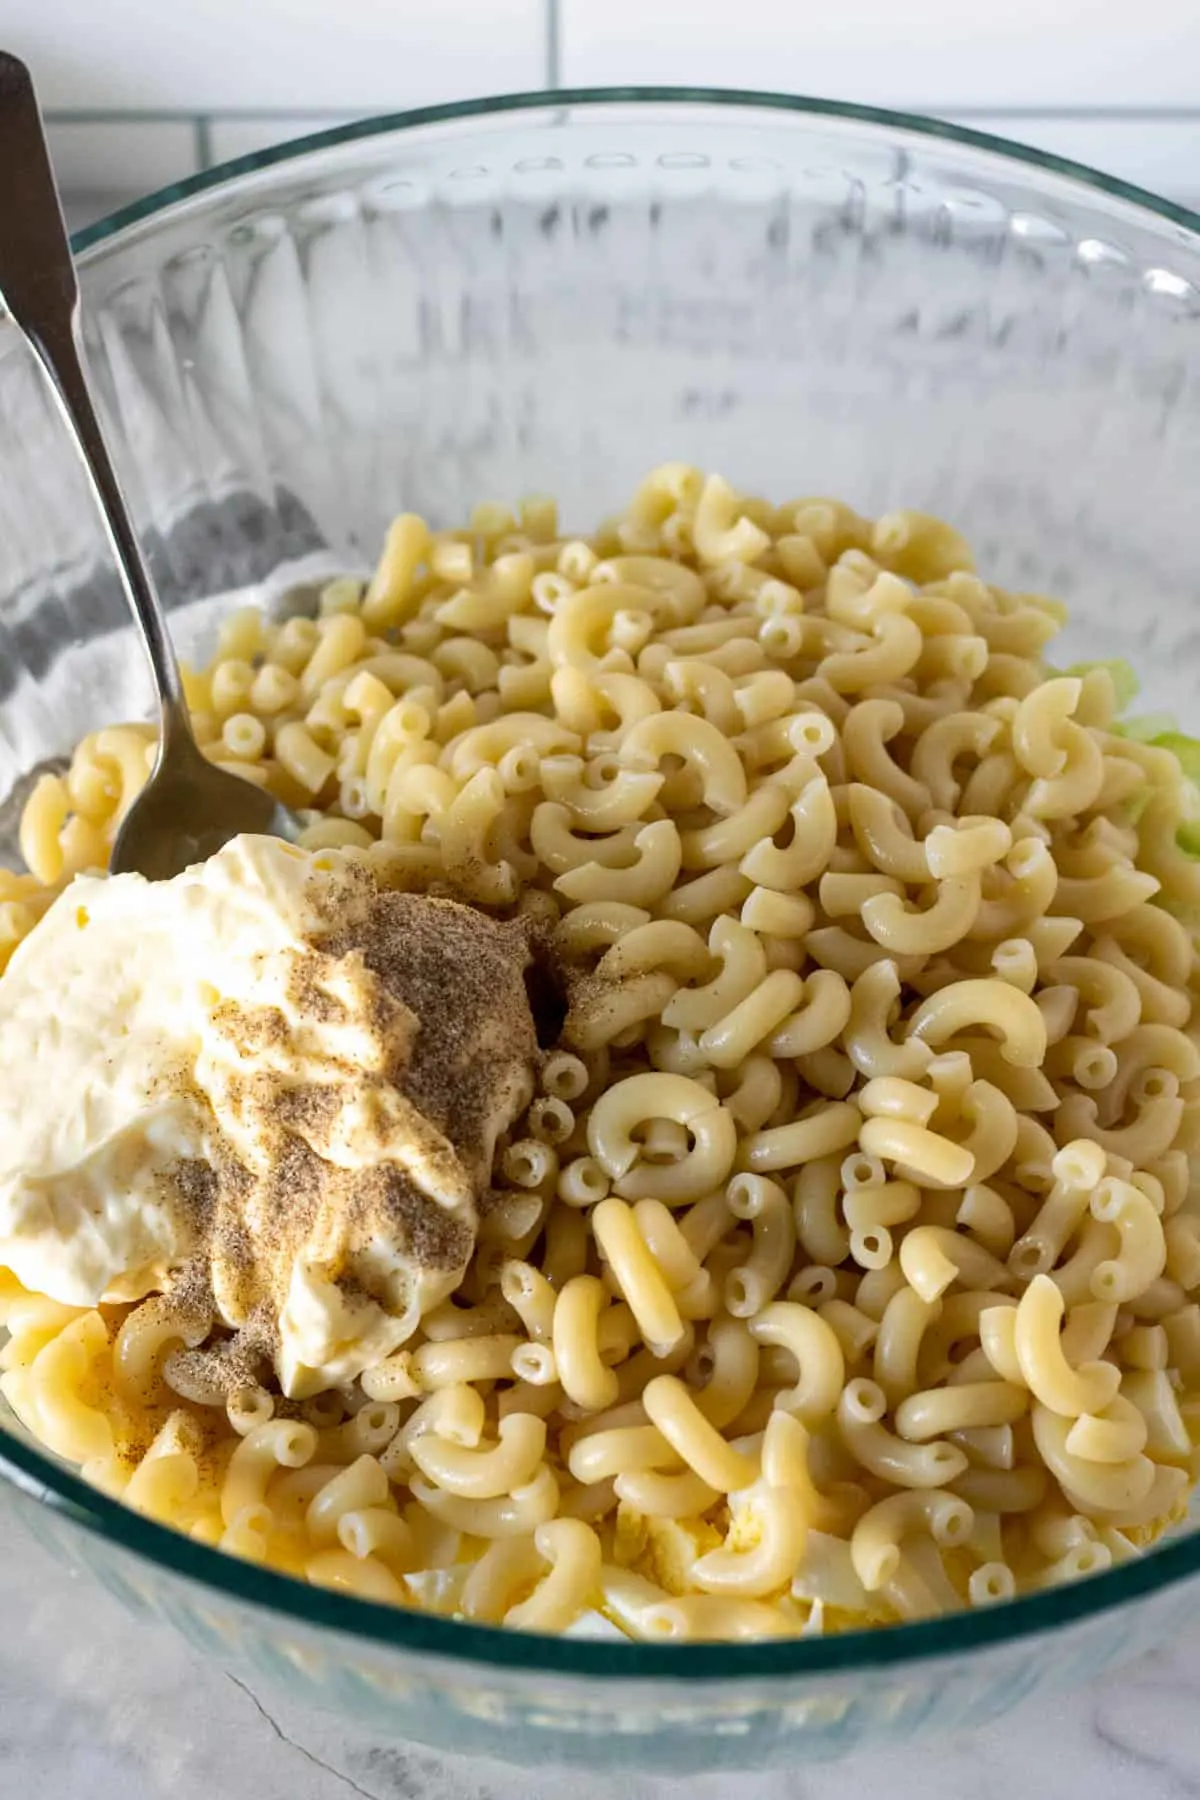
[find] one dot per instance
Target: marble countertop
(96, 1704)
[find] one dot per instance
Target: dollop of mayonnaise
(267, 1087)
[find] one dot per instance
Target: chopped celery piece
(1125, 682)
(1145, 729)
(1185, 750)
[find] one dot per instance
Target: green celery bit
(1145, 729)
(1125, 682)
(1185, 750)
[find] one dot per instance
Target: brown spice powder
(439, 989)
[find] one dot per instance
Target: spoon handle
(39, 288)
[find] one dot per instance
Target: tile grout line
(1131, 115)
(553, 28)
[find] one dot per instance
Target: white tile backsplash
(129, 157)
(985, 65)
(1105, 86)
(361, 55)
(927, 54)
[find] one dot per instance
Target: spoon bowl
(189, 807)
(187, 810)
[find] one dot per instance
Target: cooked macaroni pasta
(844, 1267)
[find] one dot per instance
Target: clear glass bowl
(554, 293)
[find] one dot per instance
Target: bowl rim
(540, 99)
(468, 1645)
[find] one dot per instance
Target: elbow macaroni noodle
(844, 1267)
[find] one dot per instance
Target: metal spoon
(188, 808)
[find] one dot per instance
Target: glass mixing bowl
(555, 293)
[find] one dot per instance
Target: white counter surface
(95, 1705)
